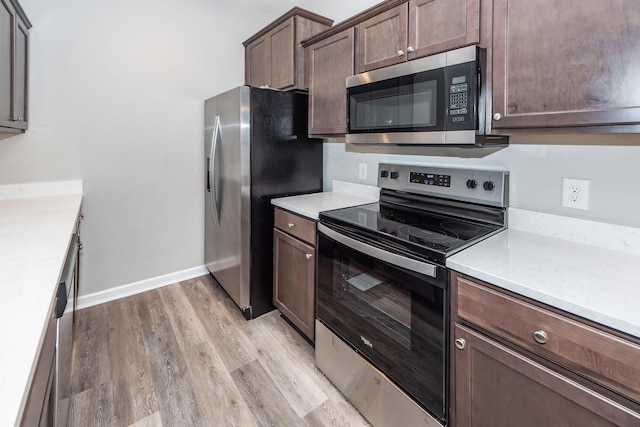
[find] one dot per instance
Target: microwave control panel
(458, 98)
(461, 87)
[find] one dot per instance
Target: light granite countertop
(36, 224)
(586, 268)
(343, 195)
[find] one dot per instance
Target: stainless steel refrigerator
(256, 148)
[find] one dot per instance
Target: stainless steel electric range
(382, 333)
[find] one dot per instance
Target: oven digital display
(430, 179)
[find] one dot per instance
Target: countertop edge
(41, 189)
(34, 363)
(46, 192)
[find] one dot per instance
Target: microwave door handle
(212, 185)
(389, 257)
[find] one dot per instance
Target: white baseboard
(138, 287)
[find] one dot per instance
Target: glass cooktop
(435, 233)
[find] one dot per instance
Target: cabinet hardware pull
(409, 49)
(308, 256)
(291, 225)
(497, 116)
(540, 337)
(460, 343)
(400, 53)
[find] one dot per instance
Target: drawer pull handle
(308, 256)
(460, 343)
(291, 225)
(540, 337)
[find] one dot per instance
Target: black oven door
(394, 316)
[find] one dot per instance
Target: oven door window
(394, 317)
(402, 104)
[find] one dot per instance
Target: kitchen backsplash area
(537, 165)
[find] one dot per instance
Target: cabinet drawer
(600, 356)
(303, 229)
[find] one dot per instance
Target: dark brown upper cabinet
(567, 66)
(329, 63)
(274, 56)
(415, 29)
(382, 40)
(14, 42)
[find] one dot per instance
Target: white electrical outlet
(362, 172)
(575, 193)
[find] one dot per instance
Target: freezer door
(227, 192)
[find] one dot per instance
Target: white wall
(116, 96)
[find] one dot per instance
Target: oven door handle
(397, 260)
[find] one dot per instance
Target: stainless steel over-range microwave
(439, 99)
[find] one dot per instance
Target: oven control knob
(384, 174)
(472, 183)
(488, 185)
(394, 175)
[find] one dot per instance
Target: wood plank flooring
(183, 355)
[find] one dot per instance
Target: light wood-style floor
(183, 355)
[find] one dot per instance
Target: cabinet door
(281, 55)
(382, 40)
(20, 80)
(37, 410)
(573, 64)
(257, 63)
(6, 60)
(330, 62)
(294, 281)
(439, 25)
(495, 386)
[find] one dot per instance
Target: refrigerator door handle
(212, 171)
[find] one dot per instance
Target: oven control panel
(430, 179)
(489, 187)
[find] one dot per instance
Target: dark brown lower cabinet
(294, 275)
(499, 387)
(40, 405)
